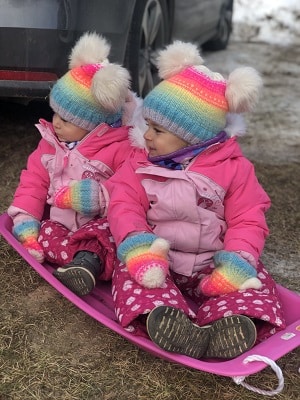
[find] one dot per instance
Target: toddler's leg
(55, 241)
(263, 306)
(79, 275)
(132, 300)
(82, 256)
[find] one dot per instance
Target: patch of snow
(269, 21)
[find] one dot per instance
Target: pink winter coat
(52, 165)
(215, 203)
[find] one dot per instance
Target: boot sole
(78, 279)
(173, 331)
(227, 338)
(231, 337)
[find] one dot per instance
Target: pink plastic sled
(99, 305)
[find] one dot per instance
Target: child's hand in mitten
(82, 196)
(232, 273)
(26, 231)
(145, 256)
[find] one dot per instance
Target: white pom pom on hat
(243, 89)
(176, 57)
(89, 49)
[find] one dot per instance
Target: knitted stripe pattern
(190, 104)
(72, 99)
(231, 272)
(81, 196)
(148, 267)
(27, 231)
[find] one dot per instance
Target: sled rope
(239, 380)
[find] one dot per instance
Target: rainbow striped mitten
(82, 196)
(232, 273)
(27, 231)
(145, 256)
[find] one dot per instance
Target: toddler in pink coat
(84, 145)
(188, 217)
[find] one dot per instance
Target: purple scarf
(181, 158)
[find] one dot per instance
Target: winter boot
(80, 274)
(226, 338)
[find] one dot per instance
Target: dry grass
(51, 350)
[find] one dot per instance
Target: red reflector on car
(27, 76)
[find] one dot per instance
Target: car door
(194, 19)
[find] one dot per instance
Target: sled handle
(239, 380)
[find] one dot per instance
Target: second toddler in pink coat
(188, 217)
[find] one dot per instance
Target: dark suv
(36, 36)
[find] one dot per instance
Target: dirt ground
(49, 349)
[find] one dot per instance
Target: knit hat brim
(184, 112)
(76, 104)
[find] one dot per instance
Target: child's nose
(55, 122)
(147, 134)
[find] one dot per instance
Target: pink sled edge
(99, 306)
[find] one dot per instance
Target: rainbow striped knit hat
(191, 101)
(93, 91)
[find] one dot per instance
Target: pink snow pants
(133, 301)
(60, 244)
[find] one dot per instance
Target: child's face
(160, 142)
(66, 131)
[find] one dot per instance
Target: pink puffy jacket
(52, 165)
(215, 203)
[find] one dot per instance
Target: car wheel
(220, 41)
(150, 31)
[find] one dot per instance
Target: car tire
(220, 41)
(149, 32)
